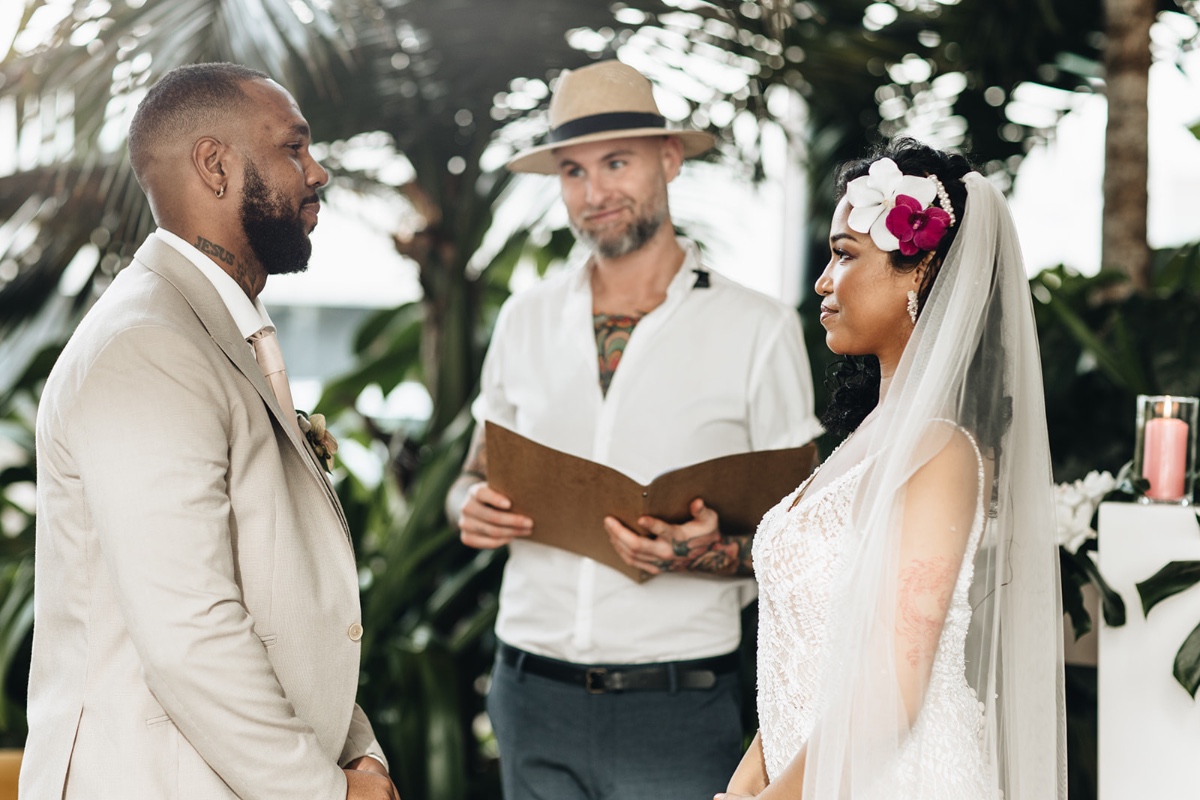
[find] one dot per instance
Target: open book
(568, 497)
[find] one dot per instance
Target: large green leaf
(1073, 579)
(1175, 577)
(1111, 603)
(1187, 662)
(1126, 372)
(1181, 270)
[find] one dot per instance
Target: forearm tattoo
(715, 555)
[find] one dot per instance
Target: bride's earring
(912, 306)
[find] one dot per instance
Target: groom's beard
(275, 232)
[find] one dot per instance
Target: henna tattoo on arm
(925, 590)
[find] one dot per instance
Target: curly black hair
(854, 381)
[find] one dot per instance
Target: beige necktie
(270, 361)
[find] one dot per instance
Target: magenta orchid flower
(897, 210)
(915, 227)
(873, 196)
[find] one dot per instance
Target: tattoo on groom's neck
(250, 279)
(214, 250)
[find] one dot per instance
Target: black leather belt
(670, 676)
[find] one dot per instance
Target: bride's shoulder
(953, 443)
(952, 465)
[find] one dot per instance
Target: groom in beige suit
(197, 626)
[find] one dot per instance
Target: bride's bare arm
(750, 777)
(941, 502)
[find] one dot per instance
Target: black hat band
(599, 123)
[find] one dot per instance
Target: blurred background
(1086, 111)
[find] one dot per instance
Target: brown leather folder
(568, 497)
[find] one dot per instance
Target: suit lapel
(167, 262)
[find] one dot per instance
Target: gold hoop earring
(220, 192)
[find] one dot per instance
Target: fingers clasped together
(669, 548)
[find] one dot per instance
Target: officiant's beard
(275, 232)
(632, 237)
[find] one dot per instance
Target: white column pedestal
(1149, 728)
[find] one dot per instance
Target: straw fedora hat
(605, 100)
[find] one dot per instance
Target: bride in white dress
(910, 626)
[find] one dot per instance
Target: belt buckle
(593, 680)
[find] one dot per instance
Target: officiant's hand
(486, 523)
(672, 548)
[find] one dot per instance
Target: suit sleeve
(781, 389)
(361, 741)
(151, 432)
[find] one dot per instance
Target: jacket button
(355, 633)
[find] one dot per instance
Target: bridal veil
(972, 360)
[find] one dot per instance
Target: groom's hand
(366, 779)
(367, 764)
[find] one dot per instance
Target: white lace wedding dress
(800, 554)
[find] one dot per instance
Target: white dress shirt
(250, 316)
(710, 372)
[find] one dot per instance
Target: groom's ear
(210, 157)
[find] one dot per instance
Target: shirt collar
(250, 316)
(680, 284)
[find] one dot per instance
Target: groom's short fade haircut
(181, 101)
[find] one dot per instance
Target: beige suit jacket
(197, 624)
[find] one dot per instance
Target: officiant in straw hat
(642, 359)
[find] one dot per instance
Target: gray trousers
(557, 742)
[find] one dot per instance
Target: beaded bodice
(800, 554)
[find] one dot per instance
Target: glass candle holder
(1165, 452)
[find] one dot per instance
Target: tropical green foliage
(18, 402)
(1118, 348)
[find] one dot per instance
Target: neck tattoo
(250, 279)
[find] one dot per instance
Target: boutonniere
(322, 441)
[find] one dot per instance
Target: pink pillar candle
(1164, 459)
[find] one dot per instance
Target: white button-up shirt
(710, 372)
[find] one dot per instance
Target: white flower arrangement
(1075, 504)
